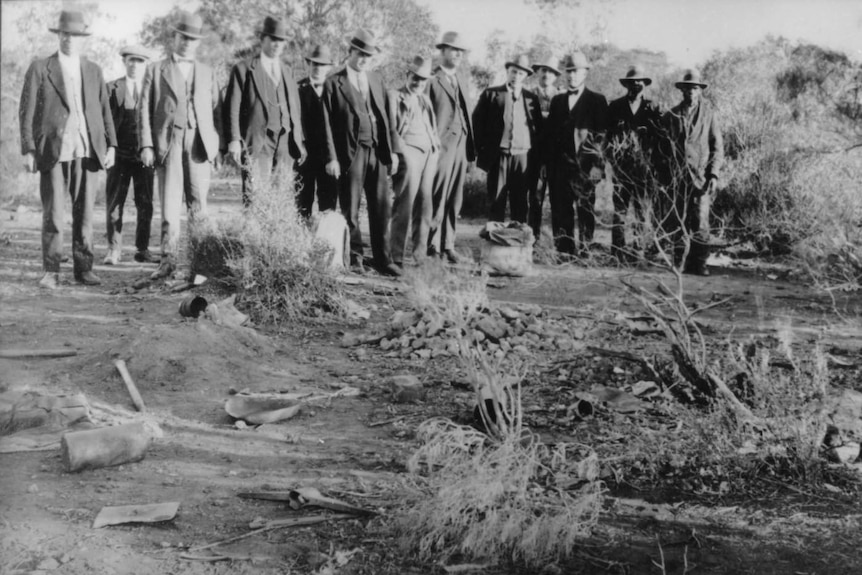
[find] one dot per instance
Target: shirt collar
(181, 60)
(71, 61)
(448, 72)
(267, 61)
(511, 90)
(353, 75)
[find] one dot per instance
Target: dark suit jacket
(44, 109)
(399, 116)
(342, 122)
(489, 122)
(574, 137)
(247, 113)
(124, 124)
(313, 122)
(632, 138)
(443, 97)
(696, 153)
(158, 105)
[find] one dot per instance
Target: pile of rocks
(520, 329)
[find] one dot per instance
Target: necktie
(273, 72)
(452, 81)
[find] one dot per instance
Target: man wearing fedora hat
(359, 142)
(180, 132)
(573, 151)
(694, 155)
(507, 122)
(449, 90)
(264, 126)
(124, 94)
(67, 135)
(633, 127)
(417, 144)
(312, 172)
(547, 73)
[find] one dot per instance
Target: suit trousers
(448, 192)
(367, 173)
(572, 193)
(258, 169)
(508, 180)
(183, 176)
(78, 178)
(414, 186)
(311, 178)
(687, 224)
(537, 188)
(124, 172)
(624, 196)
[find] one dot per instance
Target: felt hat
(364, 41)
(320, 55)
(522, 62)
(576, 61)
(451, 40)
(421, 66)
(690, 78)
(549, 63)
(635, 73)
(71, 22)
(189, 25)
(273, 27)
(134, 51)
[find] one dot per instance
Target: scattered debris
(152, 513)
(406, 388)
(261, 526)
(137, 400)
(105, 446)
(36, 353)
(307, 496)
(258, 410)
(225, 313)
(193, 306)
(33, 422)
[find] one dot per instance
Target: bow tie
(574, 92)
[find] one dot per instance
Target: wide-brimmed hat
(522, 62)
(636, 73)
(364, 41)
(691, 78)
(134, 51)
(189, 25)
(576, 61)
(549, 63)
(320, 55)
(273, 27)
(451, 40)
(71, 22)
(421, 66)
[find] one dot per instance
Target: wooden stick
(46, 353)
(130, 385)
(276, 524)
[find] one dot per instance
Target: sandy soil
(186, 369)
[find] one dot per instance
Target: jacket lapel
(257, 78)
(347, 91)
(171, 75)
(120, 92)
(55, 76)
(443, 78)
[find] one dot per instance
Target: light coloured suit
(184, 153)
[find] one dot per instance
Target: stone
(386, 344)
(424, 353)
(505, 346)
(407, 388)
(508, 313)
(48, 564)
(478, 336)
(352, 340)
(520, 349)
(418, 343)
(499, 354)
(529, 309)
(402, 320)
(434, 327)
(495, 330)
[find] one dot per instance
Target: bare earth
(355, 448)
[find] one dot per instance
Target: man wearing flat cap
(124, 94)
(180, 133)
(547, 73)
(264, 127)
(359, 142)
(573, 149)
(418, 147)
(67, 135)
(449, 90)
(507, 122)
(633, 127)
(313, 178)
(693, 157)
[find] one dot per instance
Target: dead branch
(625, 355)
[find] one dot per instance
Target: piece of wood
(104, 447)
(36, 353)
(130, 385)
(152, 513)
(277, 524)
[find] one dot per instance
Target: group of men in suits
(532, 141)
(345, 135)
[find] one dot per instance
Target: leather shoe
(392, 270)
(433, 253)
(166, 268)
(112, 259)
(146, 257)
(452, 256)
(87, 278)
(51, 280)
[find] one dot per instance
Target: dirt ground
(355, 447)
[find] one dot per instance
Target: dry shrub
(213, 246)
(279, 268)
(500, 495)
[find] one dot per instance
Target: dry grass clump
(499, 494)
(279, 268)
